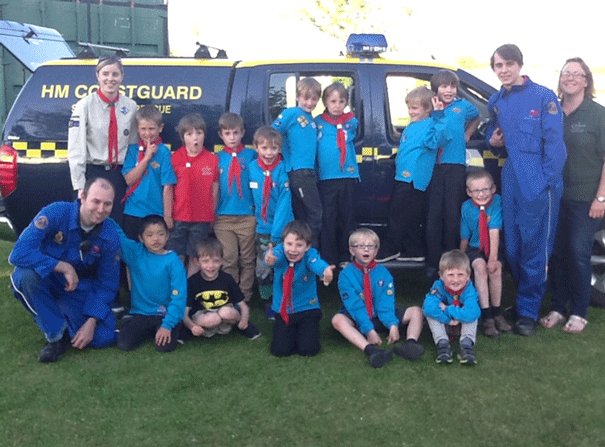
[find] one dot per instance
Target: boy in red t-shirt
(196, 190)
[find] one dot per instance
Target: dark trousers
(338, 221)
(571, 267)
(306, 203)
(137, 329)
(446, 193)
(300, 336)
(407, 214)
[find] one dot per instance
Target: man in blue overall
(527, 120)
(67, 270)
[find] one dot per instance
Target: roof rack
(88, 50)
(203, 52)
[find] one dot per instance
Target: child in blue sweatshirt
(295, 299)
(272, 204)
(159, 288)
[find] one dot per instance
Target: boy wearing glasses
(368, 296)
(480, 238)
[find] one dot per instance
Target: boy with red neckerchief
(451, 302)
(272, 204)
(480, 238)
(235, 224)
(148, 173)
(368, 296)
(196, 191)
(338, 172)
(295, 299)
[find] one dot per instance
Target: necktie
(367, 285)
(235, 169)
(112, 136)
(341, 140)
(286, 302)
(267, 183)
(483, 228)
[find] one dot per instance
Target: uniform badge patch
(126, 132)
(155, 164)
(175, 292)
(406, 174)
(345, 295)
(303, 121)
(433, 292)
(456, 110)
(59, 237)
(124, 110)
(74, 123)
(552, 108)
(380, 283)
(206, 170)
(390, 292)
(534, 113)
(41, 222)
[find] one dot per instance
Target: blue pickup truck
(35, 132)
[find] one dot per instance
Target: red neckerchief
(286, 302)
(367, 286)
(112, 138)
(483, 228)
(341, 140)
(267, 183)
(235, 169)
(456, 295)
(140, 155)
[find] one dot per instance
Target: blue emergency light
(366, 45)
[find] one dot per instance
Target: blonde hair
(478, 174)
(361, 233)
(423, 95)
(454, 259)
(308, 86)
(267, 133)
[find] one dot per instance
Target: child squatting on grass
(368, 296)
(295, 299)
(215, 303)
(452, 301)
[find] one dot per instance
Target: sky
(269, 29)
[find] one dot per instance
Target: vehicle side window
(398, 86)
(282, 90)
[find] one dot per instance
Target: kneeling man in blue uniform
(67, 271)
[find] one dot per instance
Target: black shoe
(54, 350)
(250, 332)
(525, 326)
(409, 350)
(377, 357)
(467, 352)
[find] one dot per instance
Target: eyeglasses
(575, 75)
(365, 246)
(482, 191)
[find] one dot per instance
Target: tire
(597, 280)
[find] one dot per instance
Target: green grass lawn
(546, 390)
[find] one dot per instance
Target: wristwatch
(600, 199)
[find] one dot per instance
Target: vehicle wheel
(597, 280)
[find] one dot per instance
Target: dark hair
(508, 52)
(189, 122)
(151, 219)
(335, 87)
(103, 183)
(589, 90)
(444, 77)
(299, 229)
(149, 113)
(209, 247)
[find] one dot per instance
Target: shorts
(378, 326)
(186, 235)
(475, 253)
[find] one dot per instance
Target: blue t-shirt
(230, 203)
(148, 197)
(458, 113)
(299, 132)
(469, 226)
(328, 154)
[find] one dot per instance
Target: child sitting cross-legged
(215, 302)
(368, 296)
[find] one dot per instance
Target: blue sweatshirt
(299, 132)
(229, 202)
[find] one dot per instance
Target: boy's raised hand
(151, 149)
(437, 104)
(269, 256)
(328, 275)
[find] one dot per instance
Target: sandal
(552, 319)
(575, 324)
